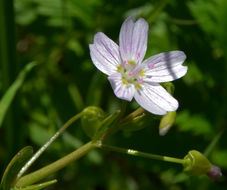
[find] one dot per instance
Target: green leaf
(36, 186)
(11, 92)
(15, 165)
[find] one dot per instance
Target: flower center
(131, 74)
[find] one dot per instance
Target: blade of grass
(11, 92)
(213, 143)
(9, 70)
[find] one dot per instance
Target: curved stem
(48, 143)
(132, 115)
(141, 154)
(55, 166)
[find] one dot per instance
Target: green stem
(123, 108)
(132, 115)
(48, 143)
(55, 166)
(141, 154)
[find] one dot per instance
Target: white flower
(129, 75)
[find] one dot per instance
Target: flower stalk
(55, 166)
(141, 154)
(48, 143)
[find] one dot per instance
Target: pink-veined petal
(122, 91)
(133, 40)
(105, 54)
(165, 67)
(155, 99)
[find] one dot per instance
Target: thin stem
(132, 115)
(123, 108)
(141, 154)
(55, 166)
(115, 124)
(48, 143)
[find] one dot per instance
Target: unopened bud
(167, 122)
(91, 119)
(214, 173)
(196, 163)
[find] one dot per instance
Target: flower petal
(105, 54)
(133, 40)
(165, 67)
(122, 91)
(155, 99)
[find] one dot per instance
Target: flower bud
(197, 163)
(166, 122)
(91, 119)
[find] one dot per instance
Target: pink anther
(125, 63)
(131, 73)
(151, 66)
(140, 80)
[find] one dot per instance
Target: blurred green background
(56, 34)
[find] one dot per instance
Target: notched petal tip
(143, 23)
(133, 39)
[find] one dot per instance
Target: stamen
(142, 73)
(131, 73)
(125, 63)
(138, 56)
(124, 82)
(119, 68)
(140, 80)
(137, 86)
(131, 62)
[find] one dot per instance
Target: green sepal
(196, 163)
(106, 124)
(36, 186)
(91, 120)
(19, 160)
